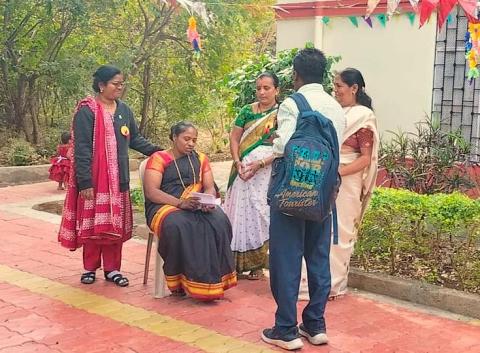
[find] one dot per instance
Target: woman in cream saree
(358, 169)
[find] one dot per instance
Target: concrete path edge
(418, 292)
(18, 175)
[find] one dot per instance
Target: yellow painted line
(147, 320)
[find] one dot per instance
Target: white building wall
(396, 61)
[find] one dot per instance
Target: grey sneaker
(289, 342)
(314, 338)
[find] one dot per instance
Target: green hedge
(435, 238)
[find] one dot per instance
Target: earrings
(101, 90)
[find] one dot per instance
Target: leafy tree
(242, 80)
(50, 48)
(32, 37)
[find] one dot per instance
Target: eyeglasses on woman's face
(117, 84)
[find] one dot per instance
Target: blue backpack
(305, 182)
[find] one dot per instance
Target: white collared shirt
(320, 101)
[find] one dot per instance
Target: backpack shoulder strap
(301, 102)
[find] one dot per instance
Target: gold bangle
(262, 164)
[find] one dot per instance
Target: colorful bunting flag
(444, 8)
(354, 20)
(449, 18)
(414, 4)
(371, 5)
(411, 17)
(392, 7)
(369, 21)
(382, 19)
(470, 7)
(426, 9)
(325, 20)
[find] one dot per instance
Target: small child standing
(60, 169)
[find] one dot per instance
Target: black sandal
(88, 277)
(117, 278)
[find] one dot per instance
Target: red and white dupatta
(108, 217)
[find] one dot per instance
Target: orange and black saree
(194, 245)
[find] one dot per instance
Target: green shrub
(19, 152)
(50, 141)
(136, 194)
(427, 161)
(435, 238)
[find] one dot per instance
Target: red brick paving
(32, 323)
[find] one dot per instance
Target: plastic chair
(160, 289)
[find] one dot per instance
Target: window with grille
(455, 100)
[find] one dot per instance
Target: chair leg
(160, 286)
(147, 257)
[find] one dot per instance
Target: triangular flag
(369, 21)
(325, 19)
(371, 5)
(414, 4)
(426, 9)
(354, 20)
(411, 17)
(471, 19)
(382, 19)
(391, 7)
(444, 8)
(470, 7)
(449, 18)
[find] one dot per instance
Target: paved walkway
(44, 308)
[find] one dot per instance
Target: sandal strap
(117, 278)
(90, 274)
(111, 274)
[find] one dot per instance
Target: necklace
(260, 111)
(180, 175)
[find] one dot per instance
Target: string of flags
(421, 8)
(425, 8)
(382, 19)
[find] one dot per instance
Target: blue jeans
(291, 239)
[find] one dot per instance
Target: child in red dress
(60, 169)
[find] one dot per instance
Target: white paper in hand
(205, 199)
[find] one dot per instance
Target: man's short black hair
(310, 64)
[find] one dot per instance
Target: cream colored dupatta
(360, 117)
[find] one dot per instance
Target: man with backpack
(302, 196)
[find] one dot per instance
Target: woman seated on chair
(194, 239)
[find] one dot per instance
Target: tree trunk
(33, 110)
(146, 96)
(19, 106)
